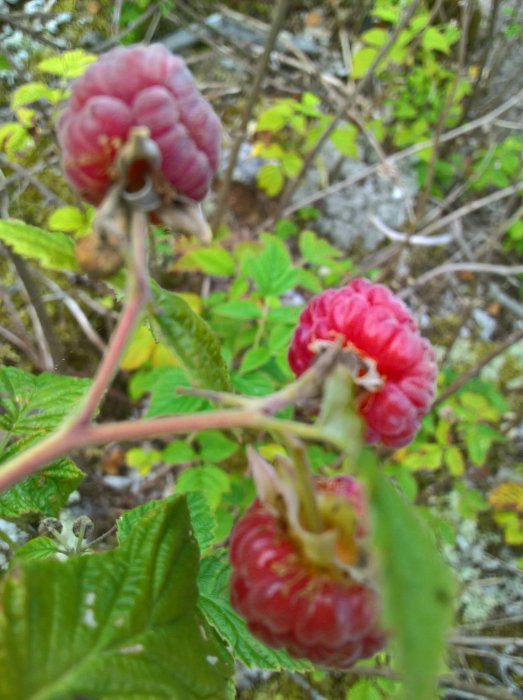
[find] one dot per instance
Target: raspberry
(376, 325)
(321, 614)
(138, 86)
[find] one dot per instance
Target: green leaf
(164, 399)
(70, 64)
(178, 452)
(39, 548)
(32, 404)
(291, 164)
(209, 480)
(194, 343)
(43, 493)
(119, 625)
(375, 37)
(215, 446)
(272, 271)
(274, 118)
(67, 219)
(53, 250)
(33, 92)
(362, 61)
(270, 179)
(213, 582)
(241, 309)
(255, 358)
(210, 261)
(364, 690)
(435, 40)
(4, 63)
(317, 250)
(479, 439)
(202, 519)
(454, 461)
(345, 141)
(418, 591)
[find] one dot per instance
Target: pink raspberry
(314, 613)
(138, 86)
(375, 324)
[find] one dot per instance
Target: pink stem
(138, 292)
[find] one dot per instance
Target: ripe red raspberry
(320, 614)
(376, 325)
(138, 86)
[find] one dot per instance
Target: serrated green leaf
(36, 403)
(43, 493)
(66, 219)
(31, 407)
(38, 548)
(435, 40)
(254, 384)
(272, 270)
(164, 399)
(375, 37)
(316, 250)
(454, 461)
(191, 339)
(119, 625)
(213, 582)
(53, 250)
(178, 452)
(210, 261)
(70, 64)
(209, 480)
(479, 439)
(240, 309)
(418, 590)
(345, 141)
(215, 446)
(255, 358)
(363, 690)
(362, 61)
(270, 179)
(291, 164)
(33, 92)
(274, 118)
(14, 139)
(202, 520)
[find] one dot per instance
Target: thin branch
(24, 173)
(400, 237)
(78, 314)
(474, 371)
(136, 299)
(115, 40)
(431, 171)
(293, 185)
(472, 206)
(280, 13)
(398, 157)
(22, 345)
(488, 641)
(503, 270)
